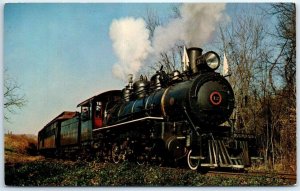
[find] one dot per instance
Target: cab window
(85, 113)
(98, 110)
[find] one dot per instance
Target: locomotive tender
(172, 118)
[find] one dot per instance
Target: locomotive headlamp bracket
(210, 60)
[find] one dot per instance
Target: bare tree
(285, 66)
(170, 59)
(264, 83)
(286, 42)
(243, 41)
(175, 12)
(152, 21)
(13, 99)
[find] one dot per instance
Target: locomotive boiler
(175, 118)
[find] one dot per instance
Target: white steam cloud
(131, 38)
(131, 44)
(195, 27)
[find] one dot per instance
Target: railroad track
(286, 176)
(291, 177)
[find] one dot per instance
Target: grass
(24, 168)
(20, 148)
(20, 143)
(79, 173)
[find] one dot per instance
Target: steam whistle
(130, 81)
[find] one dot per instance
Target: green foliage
(35, 174)
(80, 173)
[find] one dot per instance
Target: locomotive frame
(172, 119)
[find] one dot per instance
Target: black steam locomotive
(172, 118)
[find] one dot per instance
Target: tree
(286, 36)
(285, 66)
(13, 99)
(152, 21)
(170, 59)
(244, 43)
(263, 67)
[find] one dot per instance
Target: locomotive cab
(95, 111)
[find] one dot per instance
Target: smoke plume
(131, 44)
(131, 38)
(195, 26)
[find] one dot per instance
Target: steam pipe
(194, 128)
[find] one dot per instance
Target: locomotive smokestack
(193, 54)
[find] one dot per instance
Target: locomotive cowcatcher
(173, 118)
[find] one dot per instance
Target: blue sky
(61, 54)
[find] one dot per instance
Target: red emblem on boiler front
(215, 98)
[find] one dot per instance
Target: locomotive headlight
(212, 60)
(209, 60)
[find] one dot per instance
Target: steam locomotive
(175, 118)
